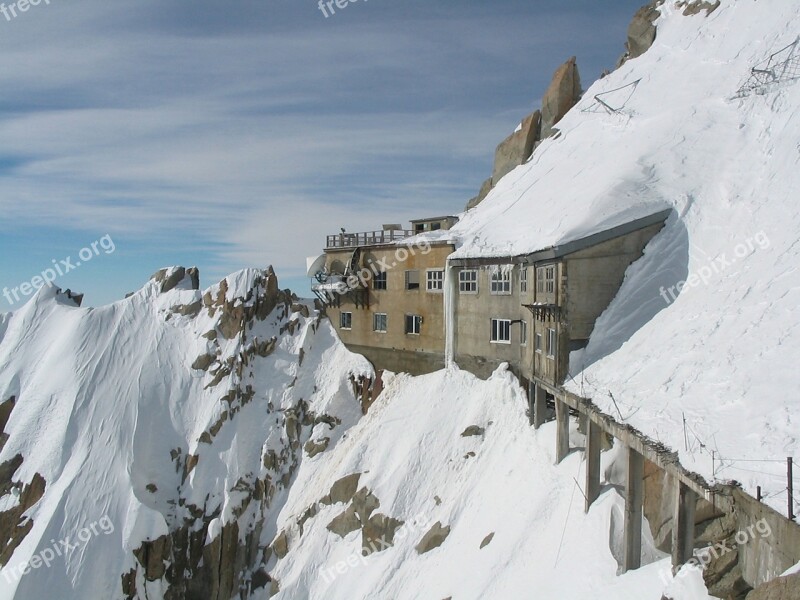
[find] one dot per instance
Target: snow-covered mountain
(695, 132)
(224, 444)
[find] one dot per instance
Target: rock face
(782, 588)
(516, 148)
(642, 30)
(563, 93)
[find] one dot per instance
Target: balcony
(367, 238)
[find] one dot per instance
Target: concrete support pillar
(634, 499)
(539, 406)
(593, 441)
(683, 524)
(562, 430)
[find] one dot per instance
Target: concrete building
(385, 292)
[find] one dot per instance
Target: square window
(501, 280)
(412, 280)
(501, 331)
(379, 281)
(413, 324)
(346, 320)
(468, 282)
(435, 282)
(380, 322)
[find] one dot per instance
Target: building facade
(396, 297)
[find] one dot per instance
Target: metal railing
(367, 238)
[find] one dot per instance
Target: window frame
(552, 343)
(523, 280)
(380, 281)
(523, 332)
(546, 279)
(434, 280)
(375, 317)
(499, 326)
(537, 342)
(343, 318)
(409, 283)
(462, 283)
(500, 282)
(416, 321)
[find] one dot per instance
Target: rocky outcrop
(433, 539)
(693, 7)
(473, 431)
(516, 148)
(563, 93)
(642, 30)
(782, 588)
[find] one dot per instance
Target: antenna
(613, 101)
(315, 264)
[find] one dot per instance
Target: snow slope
(105, 395)
(721, 351)
(413, 458)
(111, 405)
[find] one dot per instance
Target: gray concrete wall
(594, 276)
(763, 558)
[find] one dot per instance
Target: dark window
(346, 320)
(413, 324)
(379, 281)
(380, 322)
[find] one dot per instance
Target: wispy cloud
(255, 129)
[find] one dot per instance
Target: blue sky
(231, 135)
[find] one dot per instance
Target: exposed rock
(642, 30)
(152, 555)
(202, 363)
(345, 523)
(487, 540)
(76, 298)
(342, 490)
(300, 308)
(563, 93)
(169, 282)
(782, 588)
(14, 525)
(473, 430)
(433, 539)
(695, 6)
(151, 487)
(188, 310)
(313, 448)
(378, 534)
(5, 414)
(486, 187)
(365, 503)
(281, 545)
(516, 148)
(194, 275)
